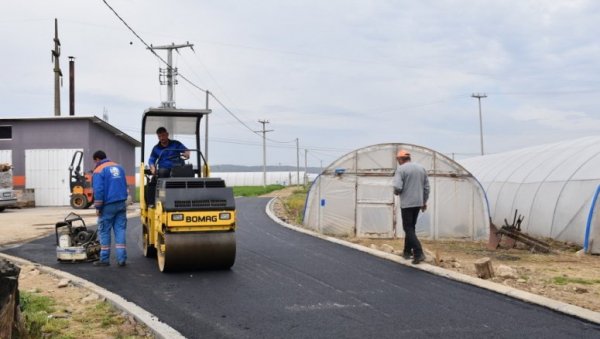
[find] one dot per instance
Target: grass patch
(253, 191)
(36, 310)
(563, 280)
(294, 204)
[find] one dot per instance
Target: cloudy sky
(337, 74)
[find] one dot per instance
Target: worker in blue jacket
(110, 199)
(166, 153)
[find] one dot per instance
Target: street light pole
(479, 96)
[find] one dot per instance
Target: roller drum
(201, 250)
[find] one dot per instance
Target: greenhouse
(554, 187)
(354, 197)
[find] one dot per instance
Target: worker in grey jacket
(412, 185)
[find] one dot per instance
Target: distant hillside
(240, 168)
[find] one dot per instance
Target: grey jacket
(412, 184)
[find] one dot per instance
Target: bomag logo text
(203, 218)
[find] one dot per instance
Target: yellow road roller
(188, 218)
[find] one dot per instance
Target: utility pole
(206, 133)
(297, 162)
(57, 71)
(264, 133)
(479, 96)
(305, 166)
(169, 73)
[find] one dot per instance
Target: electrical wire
(149, 47)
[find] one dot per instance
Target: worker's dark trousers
(411, 242)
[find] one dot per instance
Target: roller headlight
(177, 217)
(225, 216)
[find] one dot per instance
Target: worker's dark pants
(411, 242)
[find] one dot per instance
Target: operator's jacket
(109, 183)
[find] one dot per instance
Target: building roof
(94, 119)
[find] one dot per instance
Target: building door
(375, 207)
(47, 173)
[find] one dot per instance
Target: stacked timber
(11, 324)
(6, 180)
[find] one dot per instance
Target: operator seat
(185, 171)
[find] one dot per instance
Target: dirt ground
(86, 318)
(566, 274)
(84, 311)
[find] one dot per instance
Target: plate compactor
(74, 242)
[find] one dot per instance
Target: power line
(230, 112)
(149, 47)
(549, 92)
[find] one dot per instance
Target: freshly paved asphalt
(287, 284)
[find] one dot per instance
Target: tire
(2, 209)
(161, 256)
(79, 201)
(148, 250)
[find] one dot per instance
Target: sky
(336, 75)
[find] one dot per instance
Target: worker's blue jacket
(109, 183)
(166, 156)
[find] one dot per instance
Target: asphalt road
(287, 284)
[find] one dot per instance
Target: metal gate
(47, 172)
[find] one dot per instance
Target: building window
(5, 132)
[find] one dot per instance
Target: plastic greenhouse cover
(359, 200)
(550, 185)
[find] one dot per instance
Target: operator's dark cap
(161, 130)
(99, 155)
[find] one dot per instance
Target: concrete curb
(158, 328)
(555, 305)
